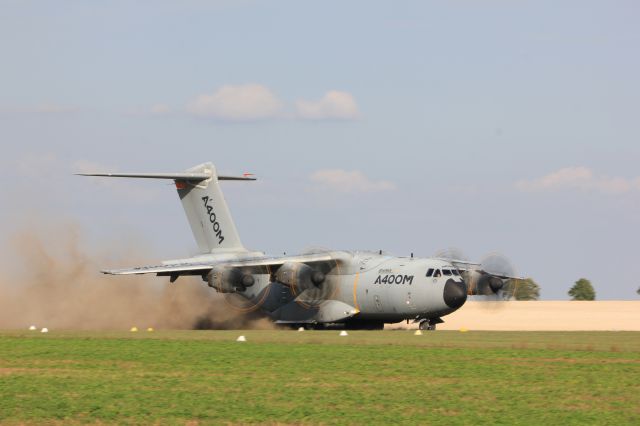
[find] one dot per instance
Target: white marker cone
(301, 329)
(418, 333)
(241, 339)
(44, 330)
(33, 328)
(344, 333)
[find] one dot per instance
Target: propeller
(322, 282)
(309, 285)
(451, 254)
(493, 279)
(488, 279)
(498, 264)
(313, 296)
(250, 297)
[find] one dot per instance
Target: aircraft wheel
(426, 325)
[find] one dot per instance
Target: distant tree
(526, 289)
(582, 290)
(638, 290)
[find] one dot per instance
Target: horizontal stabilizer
(191, 177)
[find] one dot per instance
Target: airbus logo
(213, 219)
(394, 279)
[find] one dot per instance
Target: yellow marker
(134, 329)
(463, 330)
(150, 329)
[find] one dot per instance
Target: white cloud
(348, 181)
(248, 102)
(582, 179)
(160, 109)
(334, 105)
(254, 102)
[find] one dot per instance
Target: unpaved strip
(543, 316)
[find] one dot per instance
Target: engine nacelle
(229, 280)
(483, 284)
(299, 276)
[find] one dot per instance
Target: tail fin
(204, 205)
(207, 211)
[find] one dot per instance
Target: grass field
(193, 377)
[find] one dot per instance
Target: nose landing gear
(426, 325)
(429, 323)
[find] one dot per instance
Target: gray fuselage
(379, 288)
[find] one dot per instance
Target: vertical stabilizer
(204, 204)
(207, 211)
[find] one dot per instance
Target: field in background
(602, 315)
(318, 377)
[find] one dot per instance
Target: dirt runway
(543, 316)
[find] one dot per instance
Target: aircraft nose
(455, 293)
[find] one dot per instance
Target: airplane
(316, 290)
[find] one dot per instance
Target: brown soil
(543, 316)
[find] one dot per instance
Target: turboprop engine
(483, 284)
(229, 280)
(299, 276)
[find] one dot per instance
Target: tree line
(528, 289)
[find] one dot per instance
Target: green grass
(318, 377)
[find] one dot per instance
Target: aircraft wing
(181, 269)
(198, 267)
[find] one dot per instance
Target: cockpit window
(447, 272)
(430, 272)
(437, 273)
(455, 272)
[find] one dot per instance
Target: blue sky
(408, 126)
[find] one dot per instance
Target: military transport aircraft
(321, 289)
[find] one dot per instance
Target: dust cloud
(49, 278)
